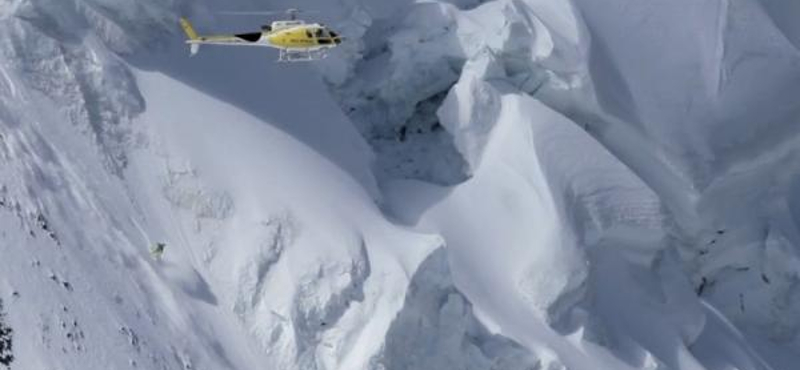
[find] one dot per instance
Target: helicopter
(297, 40)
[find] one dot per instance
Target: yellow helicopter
(296, 39)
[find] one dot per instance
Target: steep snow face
(728, 66)
(62, 52)
(268, 242)
(600, 191)
(79, 296)
(314, 276)
(710, 85)
(782, 13)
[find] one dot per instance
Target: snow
(496, 184)
(314, 264)
(535, 268)
(471, 108)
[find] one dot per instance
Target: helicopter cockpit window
(318, 32)
(308, 34)
(334, 34)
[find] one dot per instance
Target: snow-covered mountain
(465, 184)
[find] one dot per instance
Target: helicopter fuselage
(303, 36)
(292, 37)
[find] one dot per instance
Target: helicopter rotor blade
(268, 12)
(250, 13)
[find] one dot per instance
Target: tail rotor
(191, 34)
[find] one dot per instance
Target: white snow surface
(465, 184)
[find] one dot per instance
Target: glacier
(464, 184)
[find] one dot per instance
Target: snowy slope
(464, 184)
(588, 70)
(244, 255)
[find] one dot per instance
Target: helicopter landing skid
(292, 56)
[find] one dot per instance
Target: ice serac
(409, 64)
(470, 110)
(679, 106)
(716, 102)
(437, 329)
(419, 53)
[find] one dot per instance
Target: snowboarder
(157, 251)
